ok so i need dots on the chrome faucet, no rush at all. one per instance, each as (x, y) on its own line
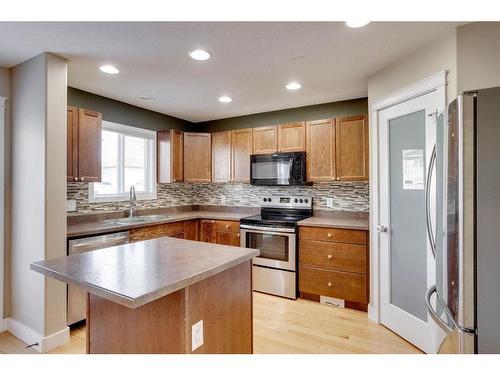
(132, 202)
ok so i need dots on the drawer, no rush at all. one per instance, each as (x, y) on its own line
(333, 256)
(333, 235)
(156, 231)
(343, 285)
(227, 226)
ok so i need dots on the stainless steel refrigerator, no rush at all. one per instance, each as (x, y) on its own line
(467, 290)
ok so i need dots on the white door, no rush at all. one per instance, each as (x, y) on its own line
(407, 134)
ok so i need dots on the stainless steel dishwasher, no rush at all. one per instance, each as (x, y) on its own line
(77, 297)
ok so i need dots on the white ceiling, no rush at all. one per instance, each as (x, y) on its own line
(251, 62)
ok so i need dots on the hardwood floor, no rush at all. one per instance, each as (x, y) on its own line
(283, 326)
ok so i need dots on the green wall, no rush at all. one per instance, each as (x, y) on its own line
(123, 113)
(308, 113)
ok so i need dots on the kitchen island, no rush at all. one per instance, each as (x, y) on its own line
(165, 295)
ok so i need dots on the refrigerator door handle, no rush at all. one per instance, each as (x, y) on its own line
(430, 232)
(434, 315)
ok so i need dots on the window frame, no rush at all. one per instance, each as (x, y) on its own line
(151, 161)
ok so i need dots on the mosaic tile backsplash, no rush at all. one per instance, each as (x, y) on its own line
(347, 196)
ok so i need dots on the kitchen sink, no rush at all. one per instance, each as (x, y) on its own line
(139, 219)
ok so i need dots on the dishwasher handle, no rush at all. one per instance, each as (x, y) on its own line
(97, 242)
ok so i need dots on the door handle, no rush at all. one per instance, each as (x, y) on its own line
(434, 315)
(430, 232)
(382, 228)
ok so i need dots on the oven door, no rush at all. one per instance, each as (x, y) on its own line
(277, 246)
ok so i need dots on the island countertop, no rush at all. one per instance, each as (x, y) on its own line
(138, 273)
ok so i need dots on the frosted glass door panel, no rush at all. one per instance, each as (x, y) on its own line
(408, 246)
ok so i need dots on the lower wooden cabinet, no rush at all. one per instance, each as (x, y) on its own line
(334, 263)
(191, 230)
(222, 232)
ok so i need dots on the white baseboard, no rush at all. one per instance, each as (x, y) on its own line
(3, 325)
(29, 336)
(372, 314)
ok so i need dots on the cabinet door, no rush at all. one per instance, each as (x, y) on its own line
(198, 157)
(292, 137)
(230, 239)
(170, 156)
(191, 230)
(265, 140)
(221, 156)
(352, 148)
(72, 143)
(320, 147)
(89, 145)
(241, 150)
(208, 232)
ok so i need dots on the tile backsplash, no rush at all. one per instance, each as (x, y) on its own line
(347, 196)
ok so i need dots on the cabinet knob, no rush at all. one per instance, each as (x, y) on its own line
(76, 178)
(82, 179)
(228, 226)
(238, 235)
(174, 180)
(338, 178)
(329, 235)
(330, 256)
(329, 284)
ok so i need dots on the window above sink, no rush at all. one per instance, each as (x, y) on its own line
(128, 158)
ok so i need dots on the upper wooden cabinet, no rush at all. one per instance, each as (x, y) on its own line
(170, 156)
(265, 140)
(241, 140)
(83, 145)
(292, 137)
(352, 148)
(320, 147)
(221, 156)
(198, 157)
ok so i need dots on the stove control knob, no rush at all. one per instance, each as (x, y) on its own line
(306, 201)
(296, 200)
(301, 201)
(265, 199)
(269, 200)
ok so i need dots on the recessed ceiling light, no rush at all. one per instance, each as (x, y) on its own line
(110, 69)
(293, 86)
(225, 99)
(199, 54)
(357, 23)
(145, 97)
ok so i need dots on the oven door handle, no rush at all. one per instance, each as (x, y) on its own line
(267, 229)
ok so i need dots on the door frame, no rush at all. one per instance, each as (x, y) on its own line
(2, 208)
(436, 82)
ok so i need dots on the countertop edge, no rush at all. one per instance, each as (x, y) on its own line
(151, 296)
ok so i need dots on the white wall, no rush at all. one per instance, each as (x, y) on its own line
(478, 55)
(38, 88)
(424, 62)
(4, 124)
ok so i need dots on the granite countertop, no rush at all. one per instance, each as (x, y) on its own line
(137, 273)
(107, 226)
(337, 219)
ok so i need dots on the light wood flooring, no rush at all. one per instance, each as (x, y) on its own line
(283, 326)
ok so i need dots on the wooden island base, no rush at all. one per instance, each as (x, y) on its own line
(223, 301)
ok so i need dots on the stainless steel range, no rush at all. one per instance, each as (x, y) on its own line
(274, 233)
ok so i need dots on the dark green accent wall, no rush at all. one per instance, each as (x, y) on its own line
(308, 113)
(123, 113)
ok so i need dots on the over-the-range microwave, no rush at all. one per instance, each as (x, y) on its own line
(278, 169)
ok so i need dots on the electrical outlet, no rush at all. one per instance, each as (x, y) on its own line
(196, 335)
(329, 202)
(70, 205)
(223, 199)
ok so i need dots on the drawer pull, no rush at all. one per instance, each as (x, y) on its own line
(330, 284)
(329, 235)
(330, 256)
